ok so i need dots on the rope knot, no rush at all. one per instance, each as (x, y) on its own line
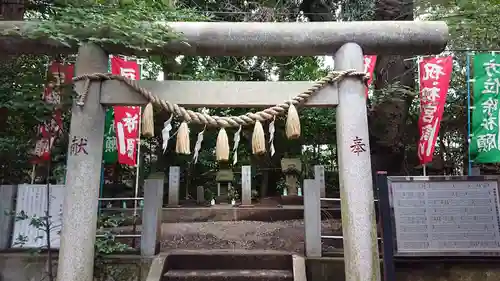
(365, 77)
(80, 100)
(87, 78)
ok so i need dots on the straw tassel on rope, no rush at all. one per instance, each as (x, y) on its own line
(147, 125)
(258, 139)
(292, 123)
(222, 146)
(182, 145)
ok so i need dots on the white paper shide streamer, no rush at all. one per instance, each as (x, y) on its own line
(271, 136)
(165, 133)
(236, 143)
(197, 146)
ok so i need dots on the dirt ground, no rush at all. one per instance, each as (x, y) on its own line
(280, 235)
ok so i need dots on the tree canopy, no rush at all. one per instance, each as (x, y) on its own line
(393, 107)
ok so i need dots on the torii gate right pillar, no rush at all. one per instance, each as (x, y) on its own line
(355, 176)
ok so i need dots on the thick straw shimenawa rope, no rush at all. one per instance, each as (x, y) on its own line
(218, 121)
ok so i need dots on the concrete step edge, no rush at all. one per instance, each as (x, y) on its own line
(230, 273)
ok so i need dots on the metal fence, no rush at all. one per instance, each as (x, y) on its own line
(30, 201)
(312, 219)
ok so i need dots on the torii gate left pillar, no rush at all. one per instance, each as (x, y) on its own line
(83, 173)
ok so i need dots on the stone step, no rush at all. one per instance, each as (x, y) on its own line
(229, 259)
(228, 275)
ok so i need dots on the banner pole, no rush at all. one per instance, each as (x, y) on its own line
(33, 173)
(136, 191)
(101, 188)
(101, 184)
(419, 59)
(469, 160)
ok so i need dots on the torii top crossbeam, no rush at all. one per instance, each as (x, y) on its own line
(263, 38)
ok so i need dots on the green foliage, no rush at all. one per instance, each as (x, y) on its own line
(139, 25)
(232, 193)
(21, 110)
(358, 10)
(105, 244)
(41, 224)
(472, 23)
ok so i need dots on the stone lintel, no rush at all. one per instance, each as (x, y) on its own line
(255, 38)
(217, 93)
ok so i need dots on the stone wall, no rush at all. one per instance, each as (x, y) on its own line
(332, 269)
(29, 267)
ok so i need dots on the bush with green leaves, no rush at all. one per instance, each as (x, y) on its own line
(106, 243)
(137, 25)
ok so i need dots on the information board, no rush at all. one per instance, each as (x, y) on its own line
(445, 217)
(32, 200)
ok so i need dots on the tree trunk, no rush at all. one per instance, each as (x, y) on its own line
(264, 185)
(388, 119)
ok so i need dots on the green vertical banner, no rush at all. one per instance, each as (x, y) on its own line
(110, 154)
(485, 139)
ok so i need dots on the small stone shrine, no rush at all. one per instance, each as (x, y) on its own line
(291, 167)
(224, 180)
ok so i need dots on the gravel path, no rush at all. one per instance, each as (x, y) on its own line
(281, 235)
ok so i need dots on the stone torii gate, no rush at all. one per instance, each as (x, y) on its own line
(346, 41)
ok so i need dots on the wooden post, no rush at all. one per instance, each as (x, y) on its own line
(7, 197)
(173, 186)
(312, 219)
(356, 186)
(151, 215)
(200, 195)
(319, 175)
(83, 173)
(246, 185)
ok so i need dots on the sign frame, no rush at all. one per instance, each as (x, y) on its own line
(433, 179)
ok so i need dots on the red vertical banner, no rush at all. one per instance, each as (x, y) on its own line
(369, 62)
(435, 75)
(58, 75)
(127, 68)
(127, 118)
